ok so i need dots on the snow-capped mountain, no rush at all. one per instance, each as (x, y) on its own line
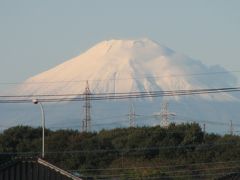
(127, 66)
(122, 66)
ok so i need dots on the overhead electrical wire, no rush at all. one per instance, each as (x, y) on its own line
(111, 96)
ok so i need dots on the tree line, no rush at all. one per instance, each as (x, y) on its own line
(180, 151)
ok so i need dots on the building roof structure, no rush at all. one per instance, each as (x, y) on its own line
(33, 169)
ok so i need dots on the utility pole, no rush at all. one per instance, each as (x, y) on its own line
(86, 123)
(36, 101)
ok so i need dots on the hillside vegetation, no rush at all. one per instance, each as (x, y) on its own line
(177, 152)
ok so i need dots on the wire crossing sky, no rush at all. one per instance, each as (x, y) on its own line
(38, 35)
(110, 96)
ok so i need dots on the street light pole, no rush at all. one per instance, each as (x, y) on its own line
(35, 101)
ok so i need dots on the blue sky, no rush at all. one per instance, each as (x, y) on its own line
(37, 35)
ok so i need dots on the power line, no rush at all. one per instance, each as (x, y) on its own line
(112, 96)
(133, 93)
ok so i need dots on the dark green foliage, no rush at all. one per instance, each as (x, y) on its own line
(123, 151)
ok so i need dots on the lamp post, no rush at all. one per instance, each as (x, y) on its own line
(35, 101)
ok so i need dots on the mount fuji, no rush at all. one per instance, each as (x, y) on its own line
(121, 66)
(118, 66)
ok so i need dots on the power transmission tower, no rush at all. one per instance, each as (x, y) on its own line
(132, 116)
(165, 115)
(231, 129)
(86, 123)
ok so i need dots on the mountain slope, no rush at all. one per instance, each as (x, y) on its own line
(125, 66)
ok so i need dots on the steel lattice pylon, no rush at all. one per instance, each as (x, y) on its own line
(86, 123)
(165, 115)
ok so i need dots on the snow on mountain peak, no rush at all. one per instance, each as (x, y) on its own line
(125, 66)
